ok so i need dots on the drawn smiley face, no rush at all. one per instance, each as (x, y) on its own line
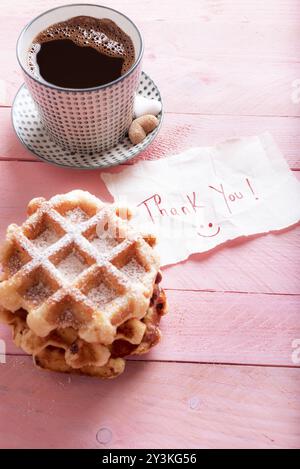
(208, 231)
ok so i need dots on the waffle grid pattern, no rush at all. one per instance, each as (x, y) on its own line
(70, 284)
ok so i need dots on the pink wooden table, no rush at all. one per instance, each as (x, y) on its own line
(224, 374)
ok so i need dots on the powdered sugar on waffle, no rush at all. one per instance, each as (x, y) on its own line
(71, 267)
(125, 288)
(104, 245)
(101, 295)
(14, 264)
(67, 318)
(133, 270)
(76, 215)
(38, 293)
(45, 239)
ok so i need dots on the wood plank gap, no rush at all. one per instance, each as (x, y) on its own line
(200, 114)
(260, 365)
(188, 362)
(195, 290)
(20, 160)
(37, 160)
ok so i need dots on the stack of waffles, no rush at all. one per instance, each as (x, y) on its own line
(79, 286)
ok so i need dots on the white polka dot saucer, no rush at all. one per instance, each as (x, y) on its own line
(34, 137)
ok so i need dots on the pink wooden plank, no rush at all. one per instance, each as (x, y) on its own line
(255, 266)
(157, 405)
(222, 11)
(216, 20)
(227, 86)
(182, 131)
(266, 264)
(212, 86)
(249, 72)
(214, 31)
(222, 328)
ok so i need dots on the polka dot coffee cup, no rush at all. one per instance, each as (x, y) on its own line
(83, 120)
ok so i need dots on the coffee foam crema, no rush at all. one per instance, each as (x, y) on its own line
(103, 34)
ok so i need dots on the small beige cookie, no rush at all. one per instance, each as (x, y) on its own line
(141, 127)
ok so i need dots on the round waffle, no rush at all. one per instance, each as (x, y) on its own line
(79, 286)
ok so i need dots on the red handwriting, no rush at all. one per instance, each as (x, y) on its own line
(221, 191)
(251, 189)
(209, 235)
(154, 206)
(233, 196)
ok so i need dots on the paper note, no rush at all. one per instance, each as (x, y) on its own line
(206, 196)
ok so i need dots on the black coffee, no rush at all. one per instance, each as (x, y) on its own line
(81, 52)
